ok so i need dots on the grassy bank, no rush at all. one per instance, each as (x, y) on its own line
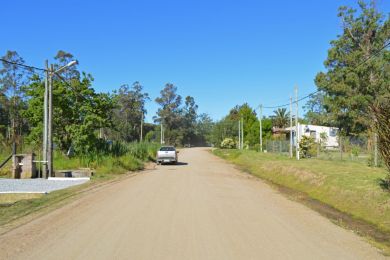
(348, 187)
(126, 157)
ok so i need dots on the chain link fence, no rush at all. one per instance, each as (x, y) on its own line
(350, 148)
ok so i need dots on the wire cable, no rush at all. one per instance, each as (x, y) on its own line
(315, 92)
(22, 65)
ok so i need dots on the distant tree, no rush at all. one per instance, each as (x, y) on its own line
(13, 79)
(281, 118)
(4, 117)
(204, 128)
(356, 77)
(228, 126)
(63, 58)
(225, 128)
(130, 108)
(170, 114)
(189, 120)
(316, 110)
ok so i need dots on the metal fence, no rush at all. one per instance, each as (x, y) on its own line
(350, 148)
(277, 146)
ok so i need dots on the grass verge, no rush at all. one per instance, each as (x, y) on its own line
(348, 193)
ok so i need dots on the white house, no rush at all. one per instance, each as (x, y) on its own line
(315, 132)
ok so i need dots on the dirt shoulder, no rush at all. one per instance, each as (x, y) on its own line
(348, 197)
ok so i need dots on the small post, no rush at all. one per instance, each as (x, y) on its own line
(161, 133)
(239, 135)
(341, 147)
(296, 124)
(242, 133)
(261, 128)
(375, 149)
(291, 131)
(142, 125)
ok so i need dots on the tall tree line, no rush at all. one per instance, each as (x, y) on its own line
(84, 120)
(181, 123)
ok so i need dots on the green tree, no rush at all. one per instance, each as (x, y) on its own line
(129, 111)
(189, 120)
(281, 118)
(79, 112)
(204, 128)
(170, 114)
(228, 126)
(356, 77)
(4, 117)
(13, 79)
(316, 110)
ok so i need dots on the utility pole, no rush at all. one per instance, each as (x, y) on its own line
(291, 122)
(296, 124)
(261, 128)
(45, 122)
(49, 148)
(239, 134)
(50, 123)
(242, 133)
(142, 125)
(161, 133)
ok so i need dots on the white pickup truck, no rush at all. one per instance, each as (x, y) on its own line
(167, 154)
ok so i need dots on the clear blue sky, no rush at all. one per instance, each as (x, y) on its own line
(221, 52)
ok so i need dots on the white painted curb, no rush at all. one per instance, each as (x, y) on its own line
(69, 178)
(24, 192)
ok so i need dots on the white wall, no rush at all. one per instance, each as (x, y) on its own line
(315, 131)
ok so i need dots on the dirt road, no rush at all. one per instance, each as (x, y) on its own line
(200, 209)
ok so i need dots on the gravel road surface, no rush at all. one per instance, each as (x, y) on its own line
(202, 208)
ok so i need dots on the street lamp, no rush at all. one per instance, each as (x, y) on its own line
(48, 116)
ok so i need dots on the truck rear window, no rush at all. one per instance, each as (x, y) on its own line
(166, 149)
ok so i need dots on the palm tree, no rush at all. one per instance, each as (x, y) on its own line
(281, 118)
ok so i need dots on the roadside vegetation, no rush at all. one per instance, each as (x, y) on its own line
(352, 96)
(104, 131)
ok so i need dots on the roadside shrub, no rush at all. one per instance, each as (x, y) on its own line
(228, 143)
(307, 147)
(382, 125)
(143, 151)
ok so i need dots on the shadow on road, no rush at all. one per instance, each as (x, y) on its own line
(181, 163)
(176, 164)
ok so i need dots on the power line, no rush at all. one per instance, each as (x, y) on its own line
(315, 92)
(22, 65)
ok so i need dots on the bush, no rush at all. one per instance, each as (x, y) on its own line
(228, 143)
(307, 147)
(143, 151)
(382, 125)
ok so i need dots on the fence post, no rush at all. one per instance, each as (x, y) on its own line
(375, 149)
(318, 148)
(341, 147)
